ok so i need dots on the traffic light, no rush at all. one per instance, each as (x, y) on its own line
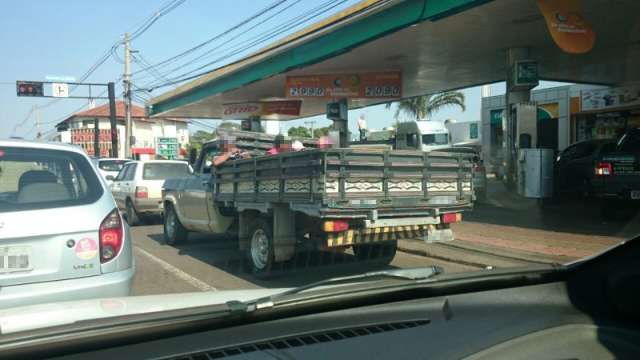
(29, 88)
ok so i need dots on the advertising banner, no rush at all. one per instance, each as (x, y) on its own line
(375, 85)
(610, 98)
(265, 109)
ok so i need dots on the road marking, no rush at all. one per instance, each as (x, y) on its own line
(199, 284)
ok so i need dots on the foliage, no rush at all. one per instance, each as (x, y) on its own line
(322, 131)
(229, 125)
(422, 107)
(198, 138)
(299, 132)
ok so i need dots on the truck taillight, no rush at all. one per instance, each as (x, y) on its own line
(111, 236)
(604, 169)
(335, 226)
(142, 192)
(451, 218)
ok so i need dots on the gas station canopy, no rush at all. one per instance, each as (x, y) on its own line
(435, 45)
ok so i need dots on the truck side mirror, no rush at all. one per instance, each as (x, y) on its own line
(193, 154)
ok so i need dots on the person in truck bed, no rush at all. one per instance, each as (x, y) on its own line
(229, 152)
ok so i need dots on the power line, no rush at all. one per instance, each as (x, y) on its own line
(205, 54)
(156, 16)
(218, 36)
(186, 76)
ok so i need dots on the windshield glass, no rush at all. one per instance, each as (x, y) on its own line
(111, 165)
(264, 145)
(158, 171)
(435, 139)
(42, 178)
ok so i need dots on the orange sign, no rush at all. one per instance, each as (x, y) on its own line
(377, 85)
(568, 28)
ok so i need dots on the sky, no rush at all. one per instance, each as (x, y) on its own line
(65, 38)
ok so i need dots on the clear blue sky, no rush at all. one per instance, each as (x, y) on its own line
(65, 38)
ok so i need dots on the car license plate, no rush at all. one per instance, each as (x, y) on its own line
(15, 258)
(635, 194)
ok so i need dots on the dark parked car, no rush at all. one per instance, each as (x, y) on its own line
(618, 171)
(574, 169)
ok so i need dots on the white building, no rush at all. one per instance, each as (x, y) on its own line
(148, 133)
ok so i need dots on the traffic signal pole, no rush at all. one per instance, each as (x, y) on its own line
(112, 119)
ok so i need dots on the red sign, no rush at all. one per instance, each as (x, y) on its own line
(261, 109)
(375, 85)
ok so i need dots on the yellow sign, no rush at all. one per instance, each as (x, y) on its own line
(567, 26)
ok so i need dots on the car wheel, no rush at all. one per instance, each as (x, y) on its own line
(132, 215)
(381, 253)
(261, 253)
(174, 231)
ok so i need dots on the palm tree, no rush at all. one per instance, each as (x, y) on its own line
(422, 107)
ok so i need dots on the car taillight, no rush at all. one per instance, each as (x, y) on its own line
(111, 236)
(142, 192)
(451, 218)
(335, 226)
(604, 169)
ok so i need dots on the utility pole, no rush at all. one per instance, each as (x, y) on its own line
(37, 110)
(310, 124)
(112, 119)
(127, 96)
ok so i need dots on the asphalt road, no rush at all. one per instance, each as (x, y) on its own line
(203, 263)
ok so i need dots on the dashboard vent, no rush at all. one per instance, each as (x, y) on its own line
(302, 340)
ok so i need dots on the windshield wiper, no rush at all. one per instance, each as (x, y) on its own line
(412, 274)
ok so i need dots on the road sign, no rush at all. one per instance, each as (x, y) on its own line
(29, 88)
(60, 90)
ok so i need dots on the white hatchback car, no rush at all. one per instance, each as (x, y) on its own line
(109, 167)
(61, 234)
(138, 187)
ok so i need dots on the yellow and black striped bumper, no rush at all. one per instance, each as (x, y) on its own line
(371, 235)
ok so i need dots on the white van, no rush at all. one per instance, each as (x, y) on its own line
(425, 135)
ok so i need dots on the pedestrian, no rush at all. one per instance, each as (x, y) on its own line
(229, 152)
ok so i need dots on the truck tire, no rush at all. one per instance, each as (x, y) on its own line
(132, 216)
(260, 252)
(381, 253)
(174, 231)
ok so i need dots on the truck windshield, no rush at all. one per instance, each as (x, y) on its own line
(159, 171)
(435, 139)
(111, 165)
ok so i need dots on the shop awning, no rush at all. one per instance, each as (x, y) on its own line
(436, 45)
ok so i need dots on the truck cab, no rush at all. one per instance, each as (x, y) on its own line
(422, 135)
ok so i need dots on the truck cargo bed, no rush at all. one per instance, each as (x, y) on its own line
(349, 182)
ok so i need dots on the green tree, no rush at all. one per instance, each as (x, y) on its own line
(322, 131)
(229, 125)
(299, 132)
(198, 138)
(422, 107)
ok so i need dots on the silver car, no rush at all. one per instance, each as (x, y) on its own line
(138, 187)
(61, 234)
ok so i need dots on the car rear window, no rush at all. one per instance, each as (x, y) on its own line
(160, 171)
(42, 178)
(630, 142)
(111, 165)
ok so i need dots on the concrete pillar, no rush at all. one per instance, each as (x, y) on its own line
(511, 98)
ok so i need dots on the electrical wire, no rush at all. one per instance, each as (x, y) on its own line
(186, 76)
(218, 36)
(172, 5)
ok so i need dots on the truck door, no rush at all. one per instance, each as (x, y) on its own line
(194, 199)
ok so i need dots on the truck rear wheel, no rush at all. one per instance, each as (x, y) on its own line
(382, 253)
(174, 231)
(260, 252)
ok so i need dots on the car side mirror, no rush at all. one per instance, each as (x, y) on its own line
(110, 177)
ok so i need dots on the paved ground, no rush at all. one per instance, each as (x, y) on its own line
(502, 232)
